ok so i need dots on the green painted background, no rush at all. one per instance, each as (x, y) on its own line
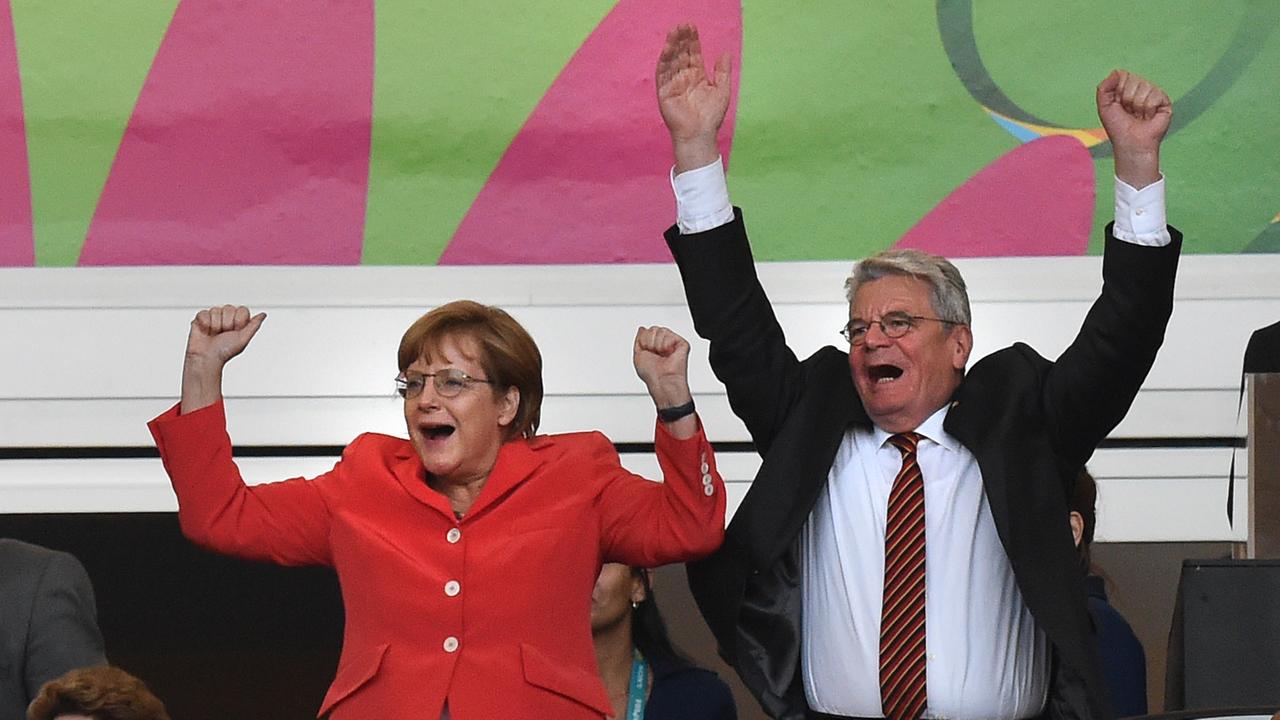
(847, 111)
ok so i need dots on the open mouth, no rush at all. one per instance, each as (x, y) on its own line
(884, 373)
(437, 432)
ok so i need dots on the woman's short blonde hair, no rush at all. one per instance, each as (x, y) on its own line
(508, 355)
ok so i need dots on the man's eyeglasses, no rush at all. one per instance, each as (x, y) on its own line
(449, 382)
(893, 325)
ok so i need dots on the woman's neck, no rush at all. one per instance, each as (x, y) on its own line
(461, 494)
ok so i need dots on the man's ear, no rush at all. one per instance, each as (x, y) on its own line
(962, 339)
(1077, 527)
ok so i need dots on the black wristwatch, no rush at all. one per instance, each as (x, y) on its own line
(672, 414)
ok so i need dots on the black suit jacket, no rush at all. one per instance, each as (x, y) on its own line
(48, 622)
(1030, 423)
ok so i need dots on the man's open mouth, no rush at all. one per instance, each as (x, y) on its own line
(884, 373)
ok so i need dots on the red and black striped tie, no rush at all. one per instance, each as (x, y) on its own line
(902, 651)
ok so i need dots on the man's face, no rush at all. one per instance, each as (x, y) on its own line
(902, 381)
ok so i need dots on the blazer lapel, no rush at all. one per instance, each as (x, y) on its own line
(964, 422)
(413, 478)
(517, 461)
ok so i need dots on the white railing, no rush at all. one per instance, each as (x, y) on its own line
(91, 354)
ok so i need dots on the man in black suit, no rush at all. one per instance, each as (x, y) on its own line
(812, 598)
(48, 622)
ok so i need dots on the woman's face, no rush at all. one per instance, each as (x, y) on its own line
(616, 588)
(458, 437)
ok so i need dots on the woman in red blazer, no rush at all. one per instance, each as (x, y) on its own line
(467, 553)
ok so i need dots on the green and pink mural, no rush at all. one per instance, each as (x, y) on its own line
(345, 132)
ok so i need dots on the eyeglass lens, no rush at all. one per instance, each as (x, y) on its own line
(448, 383)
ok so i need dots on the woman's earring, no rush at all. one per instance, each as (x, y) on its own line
(634, 604)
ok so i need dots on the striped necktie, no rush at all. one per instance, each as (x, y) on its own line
(902, 651)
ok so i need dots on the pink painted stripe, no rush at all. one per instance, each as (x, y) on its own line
(17, 241)
(1034, 200)
(585, 180)
(250, 140)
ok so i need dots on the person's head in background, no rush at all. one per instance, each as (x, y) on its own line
(96, 693)
(1084, 515)
(633, 651)
(623, 603)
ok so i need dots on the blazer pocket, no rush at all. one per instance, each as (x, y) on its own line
(355, 668)
(550, 673)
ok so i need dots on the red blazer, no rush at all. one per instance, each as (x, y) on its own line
(489, 613)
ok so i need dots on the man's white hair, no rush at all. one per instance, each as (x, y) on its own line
(948, 294)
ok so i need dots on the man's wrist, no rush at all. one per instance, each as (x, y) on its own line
(1139, 167)
(693, 153)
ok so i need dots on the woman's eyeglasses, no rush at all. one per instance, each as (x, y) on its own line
(449, 382)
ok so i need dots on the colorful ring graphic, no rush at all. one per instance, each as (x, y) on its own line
(955, 26)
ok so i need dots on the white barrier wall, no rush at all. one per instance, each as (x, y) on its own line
(91, 354)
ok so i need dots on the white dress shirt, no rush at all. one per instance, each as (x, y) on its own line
(985, 656)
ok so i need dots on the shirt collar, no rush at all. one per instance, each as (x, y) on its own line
(931, 429)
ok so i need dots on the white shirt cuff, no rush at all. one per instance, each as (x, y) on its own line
(1140, 217)
(702, 198)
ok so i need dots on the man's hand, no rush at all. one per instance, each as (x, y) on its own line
(693, 105)
(217, 335)
(1136, 114)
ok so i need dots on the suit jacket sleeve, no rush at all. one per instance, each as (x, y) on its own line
(285, 522)
(63, 632)
(749, 352)
(1088, 391)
